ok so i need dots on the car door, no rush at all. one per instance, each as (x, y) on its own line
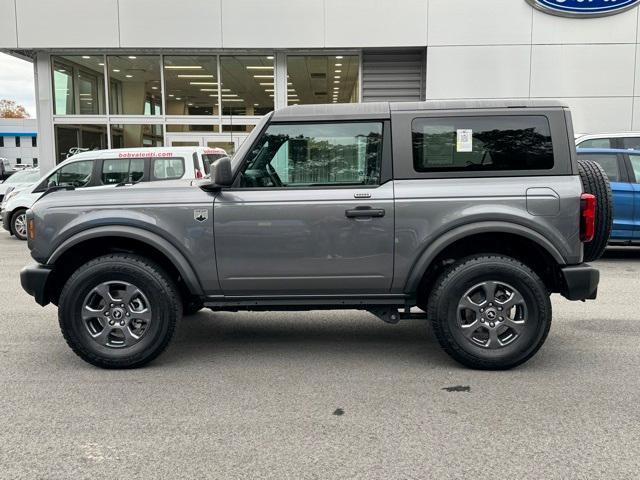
(310, 212)
(623, 192)
(633, 165)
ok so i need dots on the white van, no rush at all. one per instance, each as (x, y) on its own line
(101, 168)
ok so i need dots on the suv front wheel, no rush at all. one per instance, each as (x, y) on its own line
(490, 312)
(119, 311)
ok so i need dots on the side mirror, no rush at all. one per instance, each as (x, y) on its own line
(221, 174)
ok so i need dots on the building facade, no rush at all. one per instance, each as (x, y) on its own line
(113, 73)
(19, 140)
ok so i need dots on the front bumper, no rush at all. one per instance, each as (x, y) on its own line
(580, 282)
(5, 220)
(34, 281)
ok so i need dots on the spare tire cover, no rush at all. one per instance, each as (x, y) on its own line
(596, 182)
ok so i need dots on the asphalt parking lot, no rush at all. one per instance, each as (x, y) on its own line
(323, 395)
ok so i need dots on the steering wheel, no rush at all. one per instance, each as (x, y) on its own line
(273, 175)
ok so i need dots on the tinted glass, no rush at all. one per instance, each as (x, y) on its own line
(494, 143)
(168, 168)
(632, 143)
(134, 85)
(300, 155)
(247, 84)
(609, 164)
(635, 165)
(596, 143)
(136, 135)
(72, 139)
(78, 84)
(322, 79)
(77, 174)
(116, 171)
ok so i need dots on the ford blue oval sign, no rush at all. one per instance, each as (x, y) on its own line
(583, 8)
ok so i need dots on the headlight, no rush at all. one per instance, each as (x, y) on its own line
(10, 195)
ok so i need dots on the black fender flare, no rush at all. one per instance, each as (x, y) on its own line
(443, 241)
(178, 260)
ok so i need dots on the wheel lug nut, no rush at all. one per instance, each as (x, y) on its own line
(482, 310)
(122, 305)
(111, 305)
(122, 323)
(107, 313)
(111, 322)
(482, 320)
(492, 324)
(128, 314)
(501, 319)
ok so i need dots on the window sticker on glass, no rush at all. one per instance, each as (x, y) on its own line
(465, 140)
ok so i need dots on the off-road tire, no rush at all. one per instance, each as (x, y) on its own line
(452, 285)
(595, 181)
(164, 302)
(14, 219)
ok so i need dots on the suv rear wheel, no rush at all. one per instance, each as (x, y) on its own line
(119, 311)
(490, 312)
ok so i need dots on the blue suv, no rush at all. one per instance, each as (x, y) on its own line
(623, 169)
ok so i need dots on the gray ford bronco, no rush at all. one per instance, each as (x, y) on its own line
(473, 212)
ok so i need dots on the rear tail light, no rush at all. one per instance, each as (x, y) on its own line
(587, 217)
(199, 173)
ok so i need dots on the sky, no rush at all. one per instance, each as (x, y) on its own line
(16, 82)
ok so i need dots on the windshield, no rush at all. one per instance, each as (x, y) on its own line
(24, 177)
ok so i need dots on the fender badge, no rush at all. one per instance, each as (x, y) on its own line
(201, 215)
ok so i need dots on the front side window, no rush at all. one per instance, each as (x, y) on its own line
(609, 164)
(476, 144)
(120, 170)
(311, 155)
(168, 168)
(76, 174)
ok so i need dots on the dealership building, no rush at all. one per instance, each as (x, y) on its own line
(124, 73)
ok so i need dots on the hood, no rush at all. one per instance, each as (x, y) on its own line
(170, 192)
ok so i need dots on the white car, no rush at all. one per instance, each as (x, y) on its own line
(19, 181)
(103, 168)
(620, 140)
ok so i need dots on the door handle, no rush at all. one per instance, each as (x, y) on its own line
(365, 212)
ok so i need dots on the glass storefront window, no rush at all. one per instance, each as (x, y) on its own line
(136, 135)
(72, 139)
(315, 79)
(78, 85)
(247, 86)
(134, 85)
(191, 85)
(191, 128)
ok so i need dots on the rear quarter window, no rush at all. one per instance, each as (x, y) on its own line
(487, 143)
(167, 168)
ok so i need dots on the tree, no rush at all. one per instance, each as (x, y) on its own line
(10, 109)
